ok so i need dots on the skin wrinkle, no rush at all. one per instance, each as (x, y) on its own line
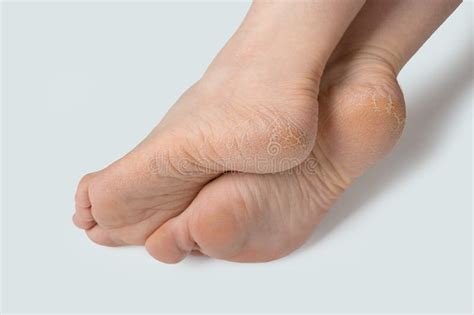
(145, 224)
(370, 52)
(328, 175)
(322, 196)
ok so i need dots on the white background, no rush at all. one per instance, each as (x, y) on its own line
(83, 83)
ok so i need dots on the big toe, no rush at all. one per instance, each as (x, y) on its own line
(213, 224)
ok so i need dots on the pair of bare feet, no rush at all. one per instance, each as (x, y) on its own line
(248, 160)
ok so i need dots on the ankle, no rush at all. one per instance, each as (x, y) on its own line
(244, 63)
(369, 57)
(361, 66)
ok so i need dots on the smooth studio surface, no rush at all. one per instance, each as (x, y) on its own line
(84, 83)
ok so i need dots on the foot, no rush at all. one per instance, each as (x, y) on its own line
(245, 115)
(252, 218)
(213, 128)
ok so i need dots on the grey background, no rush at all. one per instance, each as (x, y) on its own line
(84, 82)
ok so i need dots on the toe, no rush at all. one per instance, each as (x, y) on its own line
(172, 242)
(208, 226)
(83, 216)
(83, 221)
(82, 192)
(217, 224)
(102, 237)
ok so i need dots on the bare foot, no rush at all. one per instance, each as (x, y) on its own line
(244, 115)
(234, 119)
(205, 134)
(249, 217)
